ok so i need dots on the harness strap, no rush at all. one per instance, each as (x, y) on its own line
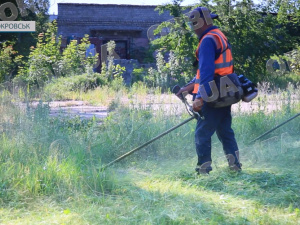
(197, 81)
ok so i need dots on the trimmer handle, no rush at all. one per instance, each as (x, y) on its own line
(199, 114)
(175, 90)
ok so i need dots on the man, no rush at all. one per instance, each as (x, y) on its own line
(214, 59)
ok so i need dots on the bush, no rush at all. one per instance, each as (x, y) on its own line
(42, 59)
(8, 62)
(57, 88)
(167, 74)
(285, 70)
(294, 58)
(74, 60)
(46, 60)
(138, 75)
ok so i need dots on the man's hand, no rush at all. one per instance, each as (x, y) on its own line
(197, 104)
(181, 94)
(185, 91)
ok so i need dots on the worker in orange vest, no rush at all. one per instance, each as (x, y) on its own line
(215, 61)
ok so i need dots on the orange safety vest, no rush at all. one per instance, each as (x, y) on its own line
(224, 63)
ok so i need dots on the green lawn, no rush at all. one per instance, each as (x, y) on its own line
(168, 192)
(49, 170)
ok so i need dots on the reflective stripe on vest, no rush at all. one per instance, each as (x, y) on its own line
(224, 63)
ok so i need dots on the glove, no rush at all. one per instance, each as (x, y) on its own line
(197, 104)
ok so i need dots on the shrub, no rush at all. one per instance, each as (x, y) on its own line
(46, 60)
(286, 73)
(57, 88)
(138, 75)
(166, 74)
(74, 60)
(294, 58)
(8, 62)
(42, 59)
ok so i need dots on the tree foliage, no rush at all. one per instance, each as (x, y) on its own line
(47, 61)
(255, 35)
(256, 32)
(176, 36)
(34, 10)
(8, 61)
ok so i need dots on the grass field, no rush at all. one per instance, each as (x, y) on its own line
(50, 168)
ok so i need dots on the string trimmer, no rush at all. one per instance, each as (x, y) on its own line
(194, 115)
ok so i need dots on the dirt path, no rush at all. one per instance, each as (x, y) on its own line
(74, 108)
(77, 108)
(168, 104)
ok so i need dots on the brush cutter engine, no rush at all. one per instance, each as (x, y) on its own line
(249, 89)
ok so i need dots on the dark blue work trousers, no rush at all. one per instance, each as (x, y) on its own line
(219, 120)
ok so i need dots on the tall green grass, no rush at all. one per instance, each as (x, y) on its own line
(41, 155)
(53, 164)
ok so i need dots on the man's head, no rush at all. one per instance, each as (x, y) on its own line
(200, 19)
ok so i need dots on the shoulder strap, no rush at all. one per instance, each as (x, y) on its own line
(221, 37)
(220, 40)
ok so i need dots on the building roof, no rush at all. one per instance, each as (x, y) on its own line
(131, 15)
(96, 4)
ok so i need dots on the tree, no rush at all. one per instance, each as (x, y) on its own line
(177, 37)
(8, 62)
(256, 32)
(43, 61)
(35, 10)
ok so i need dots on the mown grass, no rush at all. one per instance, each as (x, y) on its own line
(49, 169)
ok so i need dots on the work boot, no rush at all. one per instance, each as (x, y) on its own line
(237, 167)
(203, 170)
